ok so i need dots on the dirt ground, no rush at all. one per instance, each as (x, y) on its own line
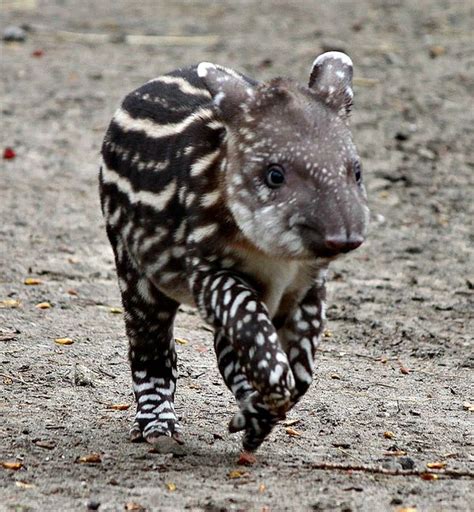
(397, 358)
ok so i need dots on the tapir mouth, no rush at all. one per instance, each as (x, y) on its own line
(329, 246)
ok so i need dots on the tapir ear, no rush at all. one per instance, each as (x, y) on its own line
(230, 91)
(331, 79)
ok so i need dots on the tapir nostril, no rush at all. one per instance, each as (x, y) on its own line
(343, 244)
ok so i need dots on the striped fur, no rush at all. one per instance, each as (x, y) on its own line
(193, 219)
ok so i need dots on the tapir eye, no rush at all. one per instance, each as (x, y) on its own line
(358, 172)
(275, 176)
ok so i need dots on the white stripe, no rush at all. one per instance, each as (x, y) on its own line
(145, 416)
(167, 416)
(157, 200)
(211, 198)
(238, 301)
(148, 398)
(182, 84)
(138, 388)
(200, 165)
(154, 130)
(162, 406)
(203, 232)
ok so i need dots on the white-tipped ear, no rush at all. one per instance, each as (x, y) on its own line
(229, 90)
(331, 79)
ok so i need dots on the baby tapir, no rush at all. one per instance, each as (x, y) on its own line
(231, 195)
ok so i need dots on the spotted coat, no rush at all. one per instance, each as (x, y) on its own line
(231, 196)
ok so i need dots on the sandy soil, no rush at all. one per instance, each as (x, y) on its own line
(398, 356)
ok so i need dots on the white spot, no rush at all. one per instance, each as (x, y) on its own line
(302, 373)
(275, 375)
(344, 58)
(203, 68)
(294, 353)
(251, 306)
(310, 309)
(218, 98)
(302, 325)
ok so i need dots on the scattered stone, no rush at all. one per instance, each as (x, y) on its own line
(82, 376)
(93, 505)
(15, 34)
(436, 51)
(406, 462)
(402, 136)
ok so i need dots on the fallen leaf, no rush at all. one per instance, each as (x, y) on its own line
(9, 154)
(335, 376)
(171, 486)
(23, 485)
(327, 333)
(48, 445)
(92, 458)
(135, 507)
(436, 465)
(14, 466)
(119, 407)
(181, 341)
(429, 476)
(63, 341)
(404, 370)
(407, 509)
(289, 423)
(437, 51)
(115, 311)
(194, 386)
(383, 359)
(468, 406)
(236, 473)
(9, 304)
(246, 459)
(72, 292)
(388, 434)
(395, 453)
(292, 432)
(262, 488)
(37, 53)
(43, 305)
(32, 281)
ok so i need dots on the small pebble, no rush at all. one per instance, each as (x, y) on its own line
(13, 33)
(406, 462)
(93, 505)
